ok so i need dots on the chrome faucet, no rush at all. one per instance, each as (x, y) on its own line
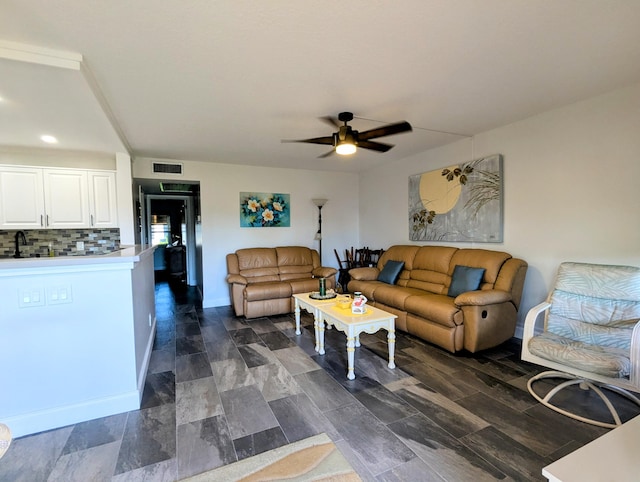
(20, 236)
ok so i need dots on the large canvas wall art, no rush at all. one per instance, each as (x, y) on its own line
(458, 203)
(264, 210)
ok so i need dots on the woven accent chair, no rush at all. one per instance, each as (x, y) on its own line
(590, 335)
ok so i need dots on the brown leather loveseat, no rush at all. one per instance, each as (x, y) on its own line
(263, 281)
(473, 307)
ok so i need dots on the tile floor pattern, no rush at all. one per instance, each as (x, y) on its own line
(221, 388)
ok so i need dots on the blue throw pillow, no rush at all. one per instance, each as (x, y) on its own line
(390, 272)
(464, 279)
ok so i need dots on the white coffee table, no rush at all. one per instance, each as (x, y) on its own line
(312, 306)
(352, 325)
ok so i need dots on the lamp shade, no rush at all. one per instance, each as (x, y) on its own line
(319, 202)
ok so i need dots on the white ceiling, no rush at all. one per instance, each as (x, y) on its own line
(226, 80)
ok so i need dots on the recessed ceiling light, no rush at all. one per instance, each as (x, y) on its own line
(49, 139)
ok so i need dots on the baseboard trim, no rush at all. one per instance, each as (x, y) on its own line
(142, 375)
(215, 302)
(41, 420)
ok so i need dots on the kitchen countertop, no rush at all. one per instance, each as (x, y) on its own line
(127, 254)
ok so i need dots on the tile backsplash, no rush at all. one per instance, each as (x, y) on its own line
(63, 242)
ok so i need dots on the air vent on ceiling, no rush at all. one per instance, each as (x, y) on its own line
(166, 168)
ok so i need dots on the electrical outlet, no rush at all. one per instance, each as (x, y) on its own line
(31, 297)
(57, 295)
(80, 245)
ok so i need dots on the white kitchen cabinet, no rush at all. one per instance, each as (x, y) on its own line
(66, 198)
(21, 198)
(103, 207)
(36, 198)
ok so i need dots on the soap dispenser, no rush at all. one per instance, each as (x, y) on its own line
(51, 254)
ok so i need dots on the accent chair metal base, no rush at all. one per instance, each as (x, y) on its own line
(585, 385)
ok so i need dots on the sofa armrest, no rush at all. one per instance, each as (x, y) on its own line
(364, 274)
(490, 318)
(237, 279)
(482, 298)
(324, 272)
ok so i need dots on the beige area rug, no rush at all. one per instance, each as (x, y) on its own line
(312, 459)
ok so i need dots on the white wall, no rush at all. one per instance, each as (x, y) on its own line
(124, 188)
(571, 188)
(220, 187)
(55, 349)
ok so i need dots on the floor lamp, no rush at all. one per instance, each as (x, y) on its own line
(319, 203)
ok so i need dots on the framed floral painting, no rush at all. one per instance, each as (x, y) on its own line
(458, 203)
(264, 210)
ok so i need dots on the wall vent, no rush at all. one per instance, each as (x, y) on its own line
(165, 168)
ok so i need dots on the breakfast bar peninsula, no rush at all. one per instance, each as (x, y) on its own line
(76, 334)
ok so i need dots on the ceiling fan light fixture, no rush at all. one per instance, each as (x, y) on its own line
(345, 148)
(347, 140)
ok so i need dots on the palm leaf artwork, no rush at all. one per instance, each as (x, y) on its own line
(488, 188)
(474, 210)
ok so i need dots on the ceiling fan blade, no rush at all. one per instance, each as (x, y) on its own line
(387, 130)
(327, 140)
(374, 146)
(331, 120)
(327, 154)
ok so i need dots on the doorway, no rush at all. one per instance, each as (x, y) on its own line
(169, 222)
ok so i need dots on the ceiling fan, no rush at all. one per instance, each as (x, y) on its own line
(346, 140)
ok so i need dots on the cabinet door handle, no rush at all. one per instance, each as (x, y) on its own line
(47, 223)
(41, 220)
(91, 216)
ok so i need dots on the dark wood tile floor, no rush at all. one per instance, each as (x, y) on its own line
(221, 388)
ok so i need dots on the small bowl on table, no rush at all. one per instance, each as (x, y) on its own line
(343, 302)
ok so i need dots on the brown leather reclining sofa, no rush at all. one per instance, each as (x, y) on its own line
(480, 313)
(263, 281)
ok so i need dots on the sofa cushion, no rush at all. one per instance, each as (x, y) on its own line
(393, 295)
(256, 258)
(304, 285)
(491, 261)
(294, 256)
(606, 361)
(258, 265)
(465, 278)
(367, 288)
(288, 273)
(431, 269)
(390, 272)
(399, 252)
(438, 309)
(267, 291)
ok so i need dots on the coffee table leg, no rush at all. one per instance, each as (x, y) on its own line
(297, 311)
(320, 336)
(391, 338)
(350, 356)
(316, 330)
